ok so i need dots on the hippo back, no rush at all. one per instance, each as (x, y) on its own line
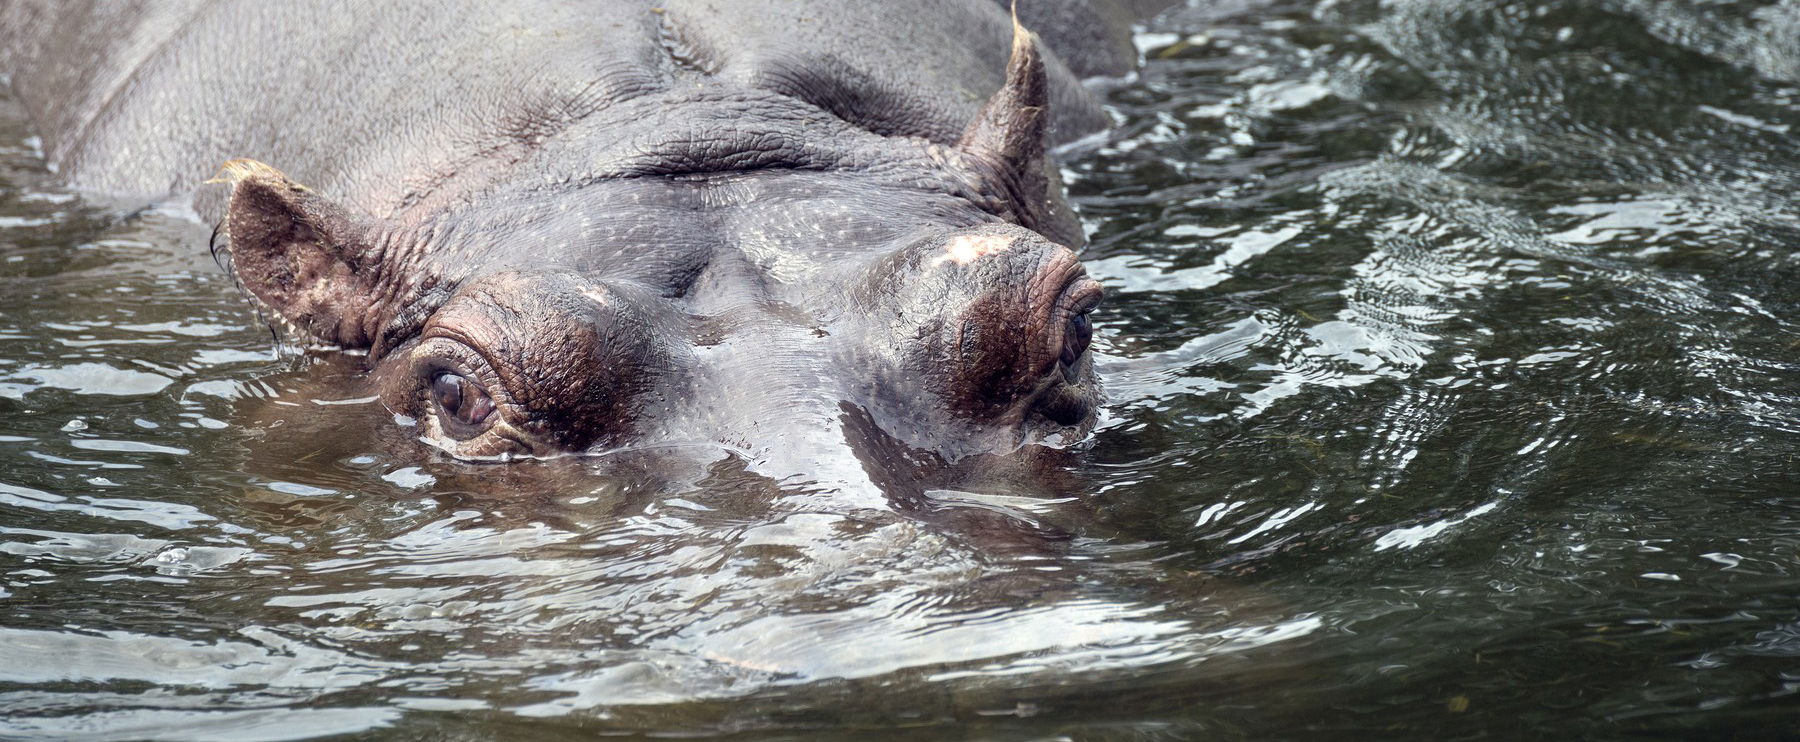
(376, 102)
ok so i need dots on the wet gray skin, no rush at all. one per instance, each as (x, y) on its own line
(551, 230)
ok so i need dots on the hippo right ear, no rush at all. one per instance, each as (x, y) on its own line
(301, 255)
(1006, 143)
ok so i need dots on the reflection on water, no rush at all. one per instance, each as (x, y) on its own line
(1455, 389)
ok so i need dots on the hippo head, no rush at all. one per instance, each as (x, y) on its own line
(743, 268)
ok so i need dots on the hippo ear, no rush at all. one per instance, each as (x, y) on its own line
(301, 255)
(1005, 143)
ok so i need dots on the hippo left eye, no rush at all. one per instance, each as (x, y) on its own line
(462, 405)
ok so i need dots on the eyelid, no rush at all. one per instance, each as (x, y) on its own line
(441, 336)
(1084, 295)
(451, 352)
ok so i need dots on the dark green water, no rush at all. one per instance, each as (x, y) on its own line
(1454, 367)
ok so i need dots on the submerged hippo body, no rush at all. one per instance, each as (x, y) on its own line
(578, 226)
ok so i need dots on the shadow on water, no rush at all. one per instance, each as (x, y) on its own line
(1455, 392)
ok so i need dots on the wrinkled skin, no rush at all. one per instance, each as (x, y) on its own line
(552, 228)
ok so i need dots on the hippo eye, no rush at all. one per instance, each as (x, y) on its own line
(1076, 339)
(462, 405)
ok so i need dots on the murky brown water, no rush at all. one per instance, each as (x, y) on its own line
(1455, 373)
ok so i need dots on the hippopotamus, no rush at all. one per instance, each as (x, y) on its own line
(549, 227)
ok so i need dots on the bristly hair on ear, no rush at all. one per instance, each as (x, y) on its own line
(264, 317)
(1006, 142)
(314, 266)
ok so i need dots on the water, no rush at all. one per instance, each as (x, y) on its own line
(1455, 392)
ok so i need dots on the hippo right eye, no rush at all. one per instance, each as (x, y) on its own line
(1083, 297)
(462, 405)
(1076, 338)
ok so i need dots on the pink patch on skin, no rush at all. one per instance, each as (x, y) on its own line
(966, 249)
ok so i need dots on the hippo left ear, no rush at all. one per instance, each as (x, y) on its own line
(1006, 142)
(302, 255)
